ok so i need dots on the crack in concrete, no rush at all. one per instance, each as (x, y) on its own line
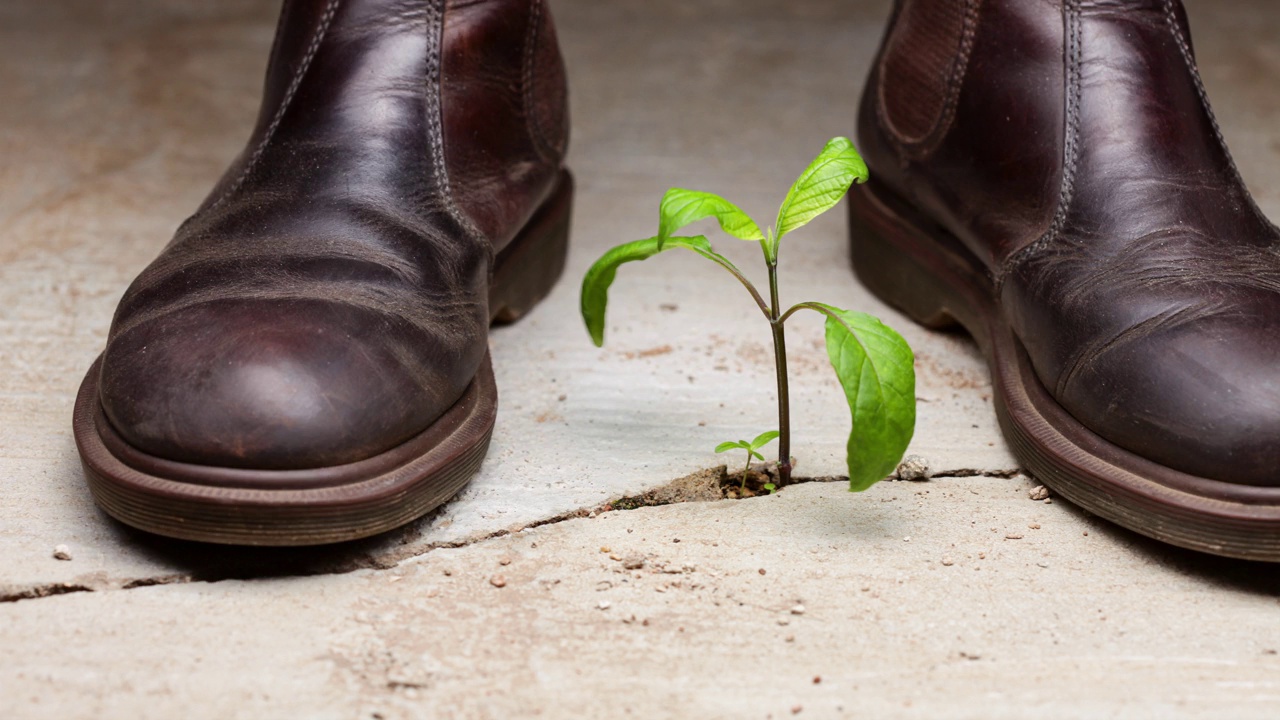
(43, 591)
(702, 486)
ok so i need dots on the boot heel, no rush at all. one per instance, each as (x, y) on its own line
(526, 270)
(885, 250)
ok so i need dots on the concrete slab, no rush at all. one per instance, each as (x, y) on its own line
(115, 118)
(958, 598)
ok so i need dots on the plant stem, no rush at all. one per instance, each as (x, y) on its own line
(780, 359)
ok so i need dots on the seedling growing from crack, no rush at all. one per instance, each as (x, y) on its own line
(874, 365)
(761, 440)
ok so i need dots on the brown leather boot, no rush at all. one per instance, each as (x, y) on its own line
(307, 360)
(1050, 176)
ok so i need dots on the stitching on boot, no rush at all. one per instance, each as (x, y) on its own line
(1071, 149)
(435, 130)
(330, 9)
(545, 148)
(1184, 47)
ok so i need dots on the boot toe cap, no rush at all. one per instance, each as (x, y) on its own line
(1202, 398)
(270, 385)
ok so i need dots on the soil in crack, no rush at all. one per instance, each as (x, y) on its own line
(711, 484)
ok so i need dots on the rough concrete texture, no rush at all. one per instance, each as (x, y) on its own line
(115, 118)
(957, 598)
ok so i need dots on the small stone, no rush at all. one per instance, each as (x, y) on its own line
(797, 610)
(797, 709)
(498, 581)
(817, 679)
(914, 467)
(675, 540)
(761, 571)
(784, 620)
(633, 561)
(447, 572)
(562, 398)
(605, 549)
(790, 638)
(1034, 526)
(906, 539)
(1048, 501)
(1039, 492)
(1013, 536)
(604, 605)
(948, 562)
(645, 622)
(504, 560)
(61, 552)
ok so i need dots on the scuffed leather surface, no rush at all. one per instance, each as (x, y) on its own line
(328, 301)
(1150, 306)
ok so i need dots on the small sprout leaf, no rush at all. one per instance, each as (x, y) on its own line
(727, 446)
(821, 185)
(763, 439)
(876, 368)
(756, 455)
(681, 207)
(771, 488)
(595, 286)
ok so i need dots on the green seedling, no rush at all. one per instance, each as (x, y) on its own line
(874, 365)
(752, 447)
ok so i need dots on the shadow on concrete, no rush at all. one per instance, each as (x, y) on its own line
(1247, 576)
(208, 562)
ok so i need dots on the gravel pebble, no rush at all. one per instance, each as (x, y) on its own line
(61, 552)
(498, 581)
(914, 467)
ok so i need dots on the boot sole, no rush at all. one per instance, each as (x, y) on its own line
(922, 270)
(330, 504)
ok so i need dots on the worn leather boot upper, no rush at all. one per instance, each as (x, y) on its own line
(329, 299)
(1071, 147)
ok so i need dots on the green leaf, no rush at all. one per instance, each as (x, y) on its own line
(770, 487)
(681, 207)
(763, 439)
(755, 454)
(877, 370)
(821, 185)
(595, 286)
(727, 446)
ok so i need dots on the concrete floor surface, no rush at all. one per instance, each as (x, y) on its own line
(939, 599)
